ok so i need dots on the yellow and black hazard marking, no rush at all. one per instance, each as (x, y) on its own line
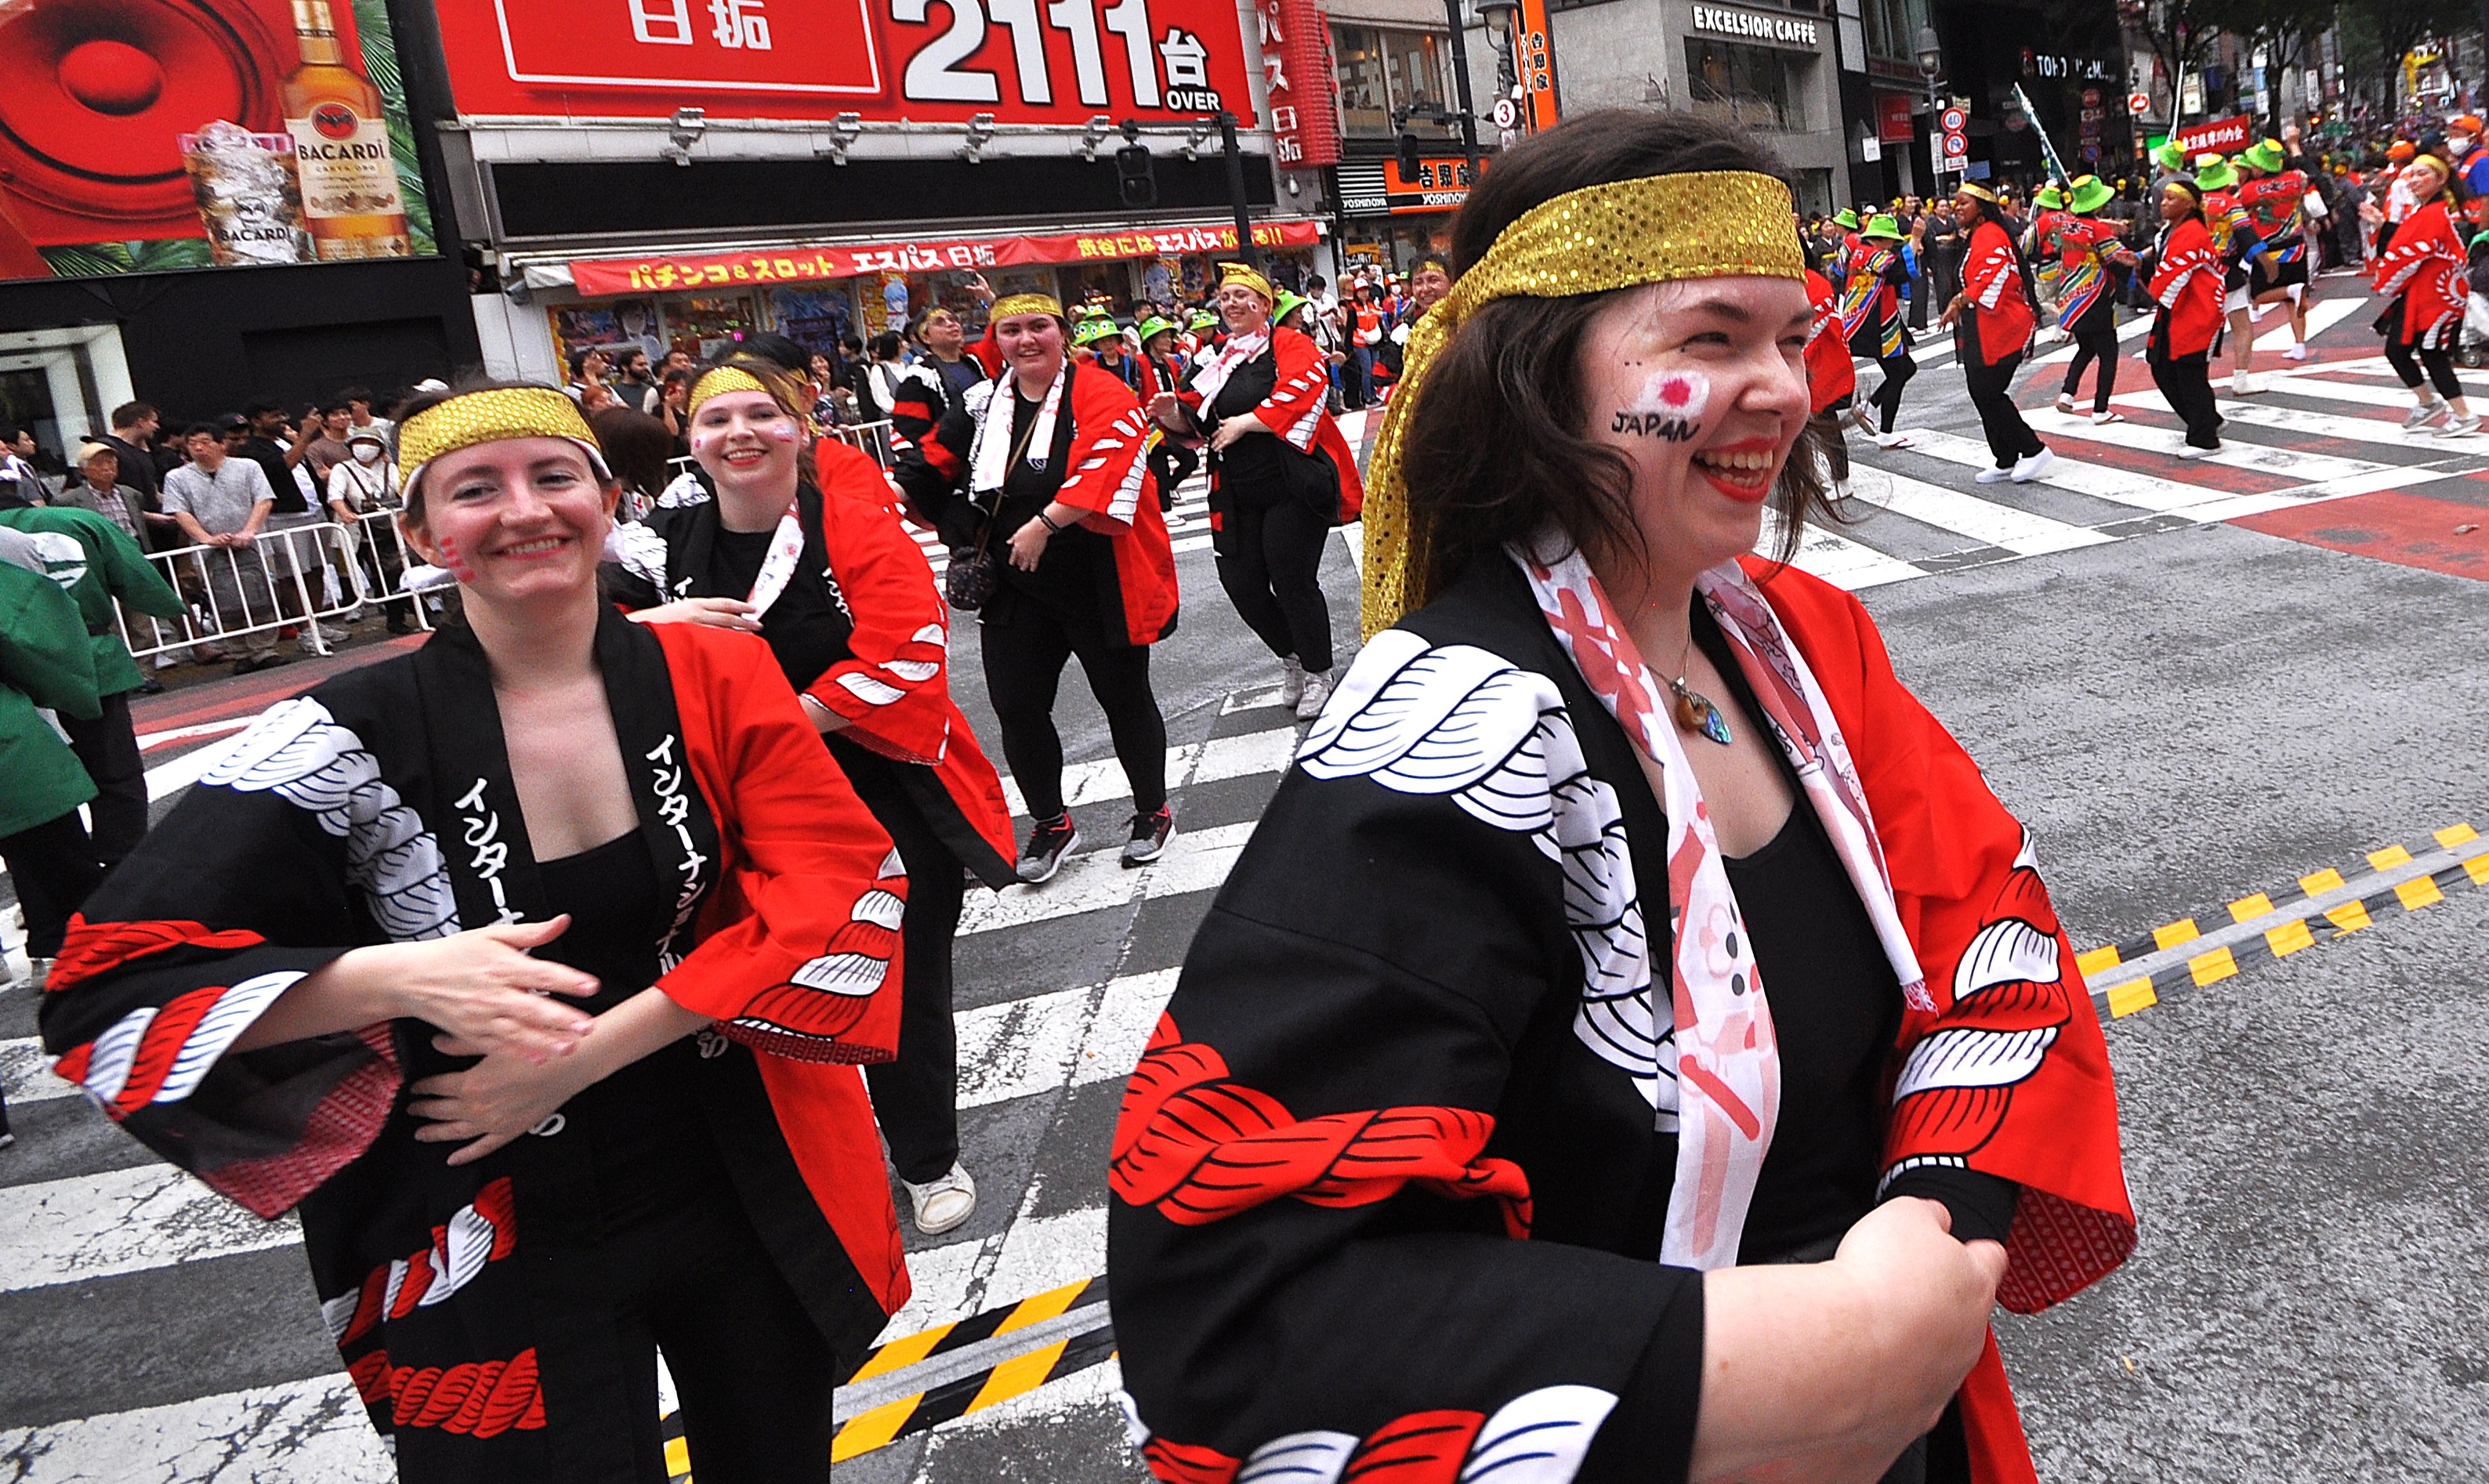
(975, 1393)
(941, 1339)
(2285, 933)
(1007, 1377)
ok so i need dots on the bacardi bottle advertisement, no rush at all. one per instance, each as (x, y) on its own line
(158, 136)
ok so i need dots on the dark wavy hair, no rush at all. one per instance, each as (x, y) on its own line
(1495, 451)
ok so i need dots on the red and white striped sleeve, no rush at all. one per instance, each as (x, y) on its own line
(1293, 408)
(1106, 474)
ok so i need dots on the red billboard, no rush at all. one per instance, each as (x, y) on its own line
(1297, 71)
(152, 135)
(1022, 61)
(1894, 122)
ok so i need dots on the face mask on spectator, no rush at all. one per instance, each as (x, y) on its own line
(365, 453)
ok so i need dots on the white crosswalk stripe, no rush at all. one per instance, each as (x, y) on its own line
(1986, 521)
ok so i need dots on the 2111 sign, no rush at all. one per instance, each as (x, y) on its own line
(939, 71)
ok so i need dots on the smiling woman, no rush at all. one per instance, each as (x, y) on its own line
(541, 941)
(1621, 899)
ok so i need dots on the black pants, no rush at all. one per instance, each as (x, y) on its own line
(2096, 339)
(1172, 464)
(2009, 437)
(108, 746)
(2408, 360)
(1270, 555)
(915, 1099)
(1825, 427)
(1025, 661)
(753, 1373)
(52, 867)
(1887, 400)
(2189, 391)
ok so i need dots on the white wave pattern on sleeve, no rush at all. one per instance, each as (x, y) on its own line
(1465, 723)
(1966, 1057)
(299, 752)
(1540, 1436)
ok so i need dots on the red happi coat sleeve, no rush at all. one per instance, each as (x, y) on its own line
(895, 692)
(915, 406)
(1991, 278)
(2009, 1075)
(2424, 265)
(799, 955)
(1106, 477)
(1830, 373)
(2187, 287)
(1295, 409)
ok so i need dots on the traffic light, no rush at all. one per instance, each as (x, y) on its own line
(1413, 166)
(1136, 181)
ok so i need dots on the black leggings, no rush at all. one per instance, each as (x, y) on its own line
(1992, 391)
(753, 1373)
(1024, 659)
(2408, 360)
(1887, 400)
(915, 1099)
(1269, 560)
(2096, 339)
(1172, 462)
(108, 746)
(2185, 384)
(54, 868)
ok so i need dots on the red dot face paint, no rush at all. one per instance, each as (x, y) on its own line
(457, 562)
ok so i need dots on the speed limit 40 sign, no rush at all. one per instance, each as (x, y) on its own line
(1955, 120)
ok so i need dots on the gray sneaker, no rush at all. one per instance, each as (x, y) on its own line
(2455, 427)
(2424, 415)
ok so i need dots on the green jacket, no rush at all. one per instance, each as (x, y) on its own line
(109, 565)
(44, 660)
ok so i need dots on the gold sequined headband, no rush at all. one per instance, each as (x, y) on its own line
(1653, 229)
(1976, 191)
(1013, 304)
(489, 416)
(1237, 273)
(724, 378)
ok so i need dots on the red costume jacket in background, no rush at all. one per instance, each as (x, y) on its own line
(1996, 322)
(893, 686)
(378, 808)
(1830, 374)
(1298, 408)
(2187, 285)
(1096, 465)
(1388, 1183)
(2424, 266)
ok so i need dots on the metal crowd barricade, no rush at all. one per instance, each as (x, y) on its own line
(287, 584)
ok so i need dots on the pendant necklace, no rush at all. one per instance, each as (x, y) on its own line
(1695, 711)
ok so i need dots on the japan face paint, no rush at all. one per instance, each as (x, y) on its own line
(1669, 408)
(456, 560)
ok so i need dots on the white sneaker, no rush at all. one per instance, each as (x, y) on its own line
(1994, 475)
(943, 1204)
(1291, 680)
(2242, 384)
(2108, 417)
(309, 647)
(334, 634)
(1317, 691)
(2299, 351)
(2190, 451)
(2066, 403)
(1892, 439)
(2031, 466)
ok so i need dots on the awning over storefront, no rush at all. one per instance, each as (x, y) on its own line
(794, 264)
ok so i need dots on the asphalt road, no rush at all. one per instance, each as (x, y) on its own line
(2195, 682)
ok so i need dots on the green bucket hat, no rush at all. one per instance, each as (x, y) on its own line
(1203, 319)
(1884, 226)
(2049, 198)
(2171, 157)
(1288, 304)
(2214, 173)
(1155, 326)
(2266, 156)
(2091, 193)
(1093, 328)
(1846, 218)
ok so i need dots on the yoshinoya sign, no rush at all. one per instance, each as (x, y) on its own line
(1750, 25)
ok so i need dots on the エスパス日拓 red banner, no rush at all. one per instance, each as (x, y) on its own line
(822, 264)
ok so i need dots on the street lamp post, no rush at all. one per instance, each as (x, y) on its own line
(1497, 16)
(1930, 65)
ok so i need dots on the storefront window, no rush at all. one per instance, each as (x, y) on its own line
(1365, 97)
(1753, 87)
(707, 325)
(1416, 64)
(815, 319)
